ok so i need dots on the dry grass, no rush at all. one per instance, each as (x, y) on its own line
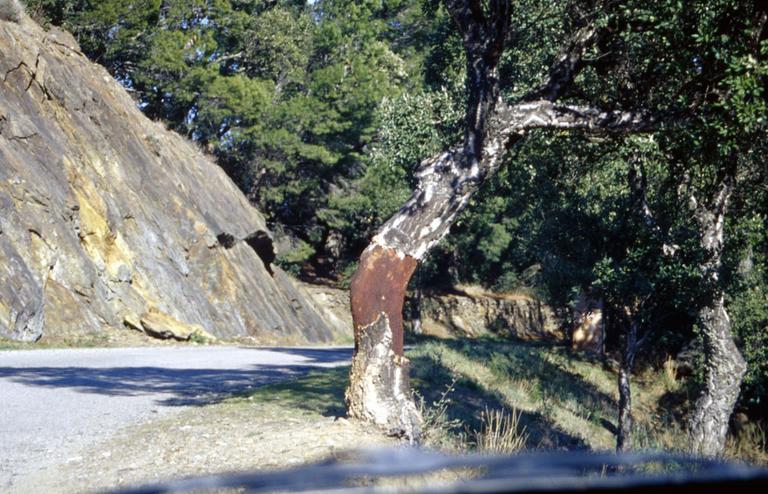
(749, 443)
(439, 430)
(561, 400)
(477, 291)
(501, 433)
(669, 374)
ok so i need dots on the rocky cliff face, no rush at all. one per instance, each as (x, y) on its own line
(109, 220)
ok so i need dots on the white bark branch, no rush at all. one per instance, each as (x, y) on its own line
(544, 114)
(637, 185)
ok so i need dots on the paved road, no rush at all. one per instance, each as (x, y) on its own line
(54, 402)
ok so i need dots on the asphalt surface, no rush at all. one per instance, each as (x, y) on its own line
(53, 403)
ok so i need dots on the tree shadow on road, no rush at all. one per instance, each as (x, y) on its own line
(174, 387)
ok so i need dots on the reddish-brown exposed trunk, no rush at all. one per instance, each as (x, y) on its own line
(378, 287)
(379, 389)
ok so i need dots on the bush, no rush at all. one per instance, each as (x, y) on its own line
(293, 259)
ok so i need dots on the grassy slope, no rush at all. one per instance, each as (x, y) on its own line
(565, 400)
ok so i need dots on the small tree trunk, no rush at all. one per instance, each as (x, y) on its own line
(725, 369)
(624, 429)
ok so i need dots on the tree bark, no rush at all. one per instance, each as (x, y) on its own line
(724, 365)
(624, 429)
(725, 369)
(378, 391)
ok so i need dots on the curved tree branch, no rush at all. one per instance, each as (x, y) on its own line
(378, 390)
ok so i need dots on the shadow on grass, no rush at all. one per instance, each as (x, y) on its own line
(468, 399)
(510, 363)
(525, 361)
(319, 391)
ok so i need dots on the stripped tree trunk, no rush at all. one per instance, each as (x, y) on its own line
(378, 391)
(725, 369)
(724, 365)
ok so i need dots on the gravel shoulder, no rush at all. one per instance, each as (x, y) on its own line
(237, 435)
(58, 405)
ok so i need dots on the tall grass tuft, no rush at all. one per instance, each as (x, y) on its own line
(670, 374)
(749, 443)
(501, 432)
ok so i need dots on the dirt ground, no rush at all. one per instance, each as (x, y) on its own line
(237, 435)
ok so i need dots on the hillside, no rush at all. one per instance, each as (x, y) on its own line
(108, 220)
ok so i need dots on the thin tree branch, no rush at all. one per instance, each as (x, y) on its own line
(638, 187)
(567, 65)
(224, 58)
(459, 12)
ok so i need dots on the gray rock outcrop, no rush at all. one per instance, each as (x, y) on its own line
(471, 311)
(107, 219)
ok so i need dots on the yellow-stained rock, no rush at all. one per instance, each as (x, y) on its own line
(472, 311)
(158, 324)
(132, 321)
(65, 314)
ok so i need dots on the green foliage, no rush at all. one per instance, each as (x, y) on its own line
(293, 259)
(411, 127)
(748, 302)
